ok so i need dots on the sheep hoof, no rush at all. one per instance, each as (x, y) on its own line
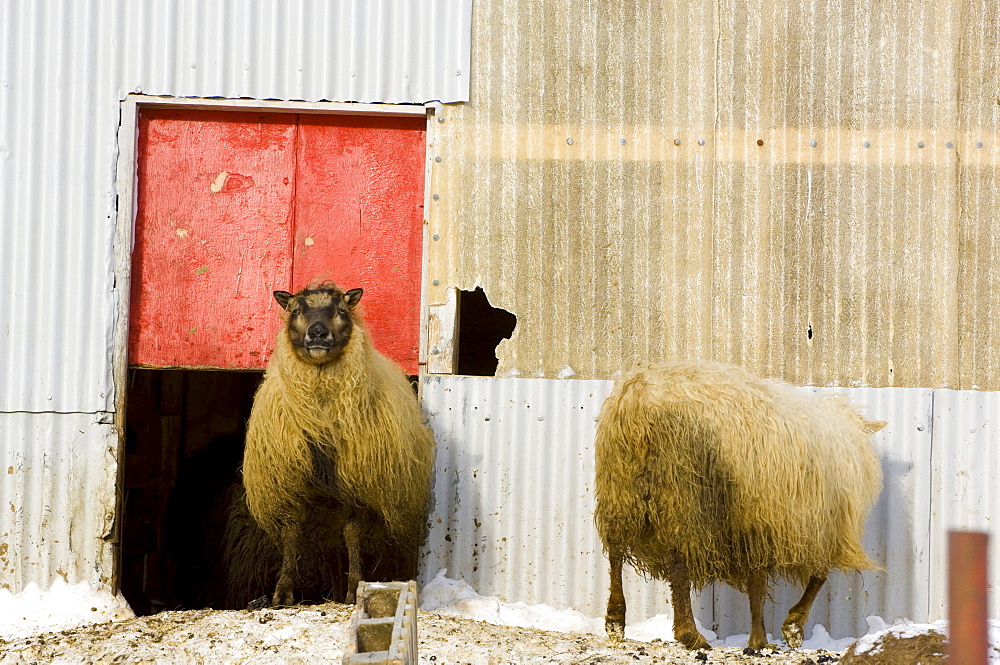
(693, 640)
(615, 629)
(759, 645)
(792, 632)
(282, 598)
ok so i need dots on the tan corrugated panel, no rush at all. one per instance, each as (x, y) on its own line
(835, 262)
(834, 228)
(561, 190)
(979, 240)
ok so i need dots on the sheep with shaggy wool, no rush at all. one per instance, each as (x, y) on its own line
(335, 422)
(706, 472)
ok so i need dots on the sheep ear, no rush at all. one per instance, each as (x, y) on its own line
(283, 298)
(873, 426)
(353, 297)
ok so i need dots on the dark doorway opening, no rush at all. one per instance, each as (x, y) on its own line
(172, 417)
(480, 328)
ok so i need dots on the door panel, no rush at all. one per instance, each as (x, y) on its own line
(235, 205)
(361, 223)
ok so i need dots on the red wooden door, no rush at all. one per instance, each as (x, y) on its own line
(235, 205)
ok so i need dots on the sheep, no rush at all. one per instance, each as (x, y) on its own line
(335, 422)
(706, 472)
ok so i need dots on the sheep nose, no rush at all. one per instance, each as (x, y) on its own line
(318, 331)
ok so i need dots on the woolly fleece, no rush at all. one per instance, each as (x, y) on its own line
(361, 412)
(734, 474)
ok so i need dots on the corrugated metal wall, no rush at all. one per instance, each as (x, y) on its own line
(513, 502)
(65, 67)
(805, 188)
(57, 496)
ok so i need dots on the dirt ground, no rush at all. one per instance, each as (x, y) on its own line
(319, 633)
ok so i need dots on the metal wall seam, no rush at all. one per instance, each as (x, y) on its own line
(513, 507)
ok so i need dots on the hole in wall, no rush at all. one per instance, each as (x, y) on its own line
(183, 447)
(481, 327)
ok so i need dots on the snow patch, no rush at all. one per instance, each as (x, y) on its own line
(456, 597)
(280, 635)
(901, 628)
(821, 639)
(60, 607)
(63, 606)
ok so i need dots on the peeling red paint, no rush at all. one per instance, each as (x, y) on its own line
(234, 205)
(227, 182)
(236, 182)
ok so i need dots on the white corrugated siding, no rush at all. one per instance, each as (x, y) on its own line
(57, 498)
(513, 502)
(966, 458)
(65, 67)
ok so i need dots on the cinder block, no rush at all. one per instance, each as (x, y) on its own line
(383, 628)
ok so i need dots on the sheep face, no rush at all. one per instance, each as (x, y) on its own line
(320, 321)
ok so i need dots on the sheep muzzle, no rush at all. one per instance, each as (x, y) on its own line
(319, 322)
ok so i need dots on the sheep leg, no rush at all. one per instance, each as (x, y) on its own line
(284, 589)
(614, 620)
(793, 630)
(352, 538)
(756, 590)
(685, 629)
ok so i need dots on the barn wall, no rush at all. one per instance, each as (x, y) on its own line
(65, 68)
(513, 502)
(800, 187)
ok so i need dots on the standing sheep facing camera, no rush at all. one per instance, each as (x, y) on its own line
(706, 472)
(335, 423)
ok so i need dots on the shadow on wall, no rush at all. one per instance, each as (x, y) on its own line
(481, 327)
(891, 538)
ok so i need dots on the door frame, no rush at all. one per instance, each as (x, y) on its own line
(126, 181)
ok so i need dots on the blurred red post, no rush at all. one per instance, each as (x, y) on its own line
(968, 616)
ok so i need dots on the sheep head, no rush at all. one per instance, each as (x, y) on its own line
(320, 321)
